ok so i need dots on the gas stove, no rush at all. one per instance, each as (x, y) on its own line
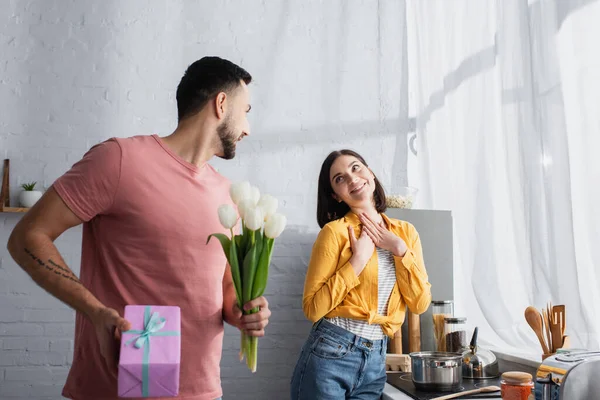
(403, 382)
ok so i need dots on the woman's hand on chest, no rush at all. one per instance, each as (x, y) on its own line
(362, 250)
(382, 237)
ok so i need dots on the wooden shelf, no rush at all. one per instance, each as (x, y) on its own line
(14, 210)
(5, 195)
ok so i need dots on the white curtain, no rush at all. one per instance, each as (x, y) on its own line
(505, 96)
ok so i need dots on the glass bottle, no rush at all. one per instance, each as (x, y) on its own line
(456, 334)
(441, 310)
(516, 385)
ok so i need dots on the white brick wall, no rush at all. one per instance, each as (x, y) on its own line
(328, 74)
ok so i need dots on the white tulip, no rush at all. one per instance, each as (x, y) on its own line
(227, 216)
(254, 194)
(275, 225)
(245, 205)
(239, 191)
(268, 204)
(253, 218)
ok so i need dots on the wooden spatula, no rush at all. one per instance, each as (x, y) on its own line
(558, 317)
(546, 317)
(566, 342)
(486, 389)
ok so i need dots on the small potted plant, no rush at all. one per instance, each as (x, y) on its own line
(28, 197)
(404, 197)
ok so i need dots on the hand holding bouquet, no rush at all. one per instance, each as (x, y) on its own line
(249, 253)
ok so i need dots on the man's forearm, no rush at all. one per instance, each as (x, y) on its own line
(229, 300)
(39, 257)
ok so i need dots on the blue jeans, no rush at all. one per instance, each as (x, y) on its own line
(337, 364)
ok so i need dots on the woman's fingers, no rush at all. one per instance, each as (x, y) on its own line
(381, 227)
(366, 221)
(352, 236)
(373, 238)
(372, 234)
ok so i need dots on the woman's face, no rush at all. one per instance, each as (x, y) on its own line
(352, 181)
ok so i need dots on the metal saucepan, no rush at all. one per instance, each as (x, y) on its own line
(434, 371)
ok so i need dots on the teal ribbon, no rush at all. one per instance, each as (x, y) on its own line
(153, 323)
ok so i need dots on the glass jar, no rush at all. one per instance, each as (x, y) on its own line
(440, 310)
(456, 334)
(517, 385)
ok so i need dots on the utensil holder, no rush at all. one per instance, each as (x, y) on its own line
(565, 345)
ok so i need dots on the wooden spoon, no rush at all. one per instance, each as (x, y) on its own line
(486, 389)
(561, 319)
(534, 319)
(550, 319)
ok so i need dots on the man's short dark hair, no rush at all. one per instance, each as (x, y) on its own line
(203, 80)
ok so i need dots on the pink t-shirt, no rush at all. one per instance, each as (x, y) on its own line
(147, 216)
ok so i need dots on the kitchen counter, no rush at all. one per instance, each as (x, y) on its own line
(391, 393)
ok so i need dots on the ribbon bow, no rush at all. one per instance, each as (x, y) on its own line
(153, 323)
(151, 327)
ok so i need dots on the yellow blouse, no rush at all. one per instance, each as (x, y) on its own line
(332, 288)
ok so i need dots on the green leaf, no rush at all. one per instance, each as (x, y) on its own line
(29, 186)
(246, 239)
(239, 241)
(235, 272)
(225, 243)
(259, 239)
(262, 270)
(249, 269)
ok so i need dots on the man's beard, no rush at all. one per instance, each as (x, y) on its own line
(228, 140)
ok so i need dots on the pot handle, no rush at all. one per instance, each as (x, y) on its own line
(443, 364)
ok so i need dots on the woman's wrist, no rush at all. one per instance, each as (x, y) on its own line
(400, 250)
(357, 264)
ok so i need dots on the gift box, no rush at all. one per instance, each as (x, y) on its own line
(150, 352)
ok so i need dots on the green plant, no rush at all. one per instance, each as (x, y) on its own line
(28, 186)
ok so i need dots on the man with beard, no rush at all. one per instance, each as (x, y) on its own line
(147, 205)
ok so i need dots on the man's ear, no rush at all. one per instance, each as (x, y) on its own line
(221, 105)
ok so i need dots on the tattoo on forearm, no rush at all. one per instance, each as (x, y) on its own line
(53, 267)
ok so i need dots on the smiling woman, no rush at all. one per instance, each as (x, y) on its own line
(365, 269)
(341, 174)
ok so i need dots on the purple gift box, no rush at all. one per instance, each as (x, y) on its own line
(150, 352)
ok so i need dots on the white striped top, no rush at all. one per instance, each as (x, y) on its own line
(385, 283)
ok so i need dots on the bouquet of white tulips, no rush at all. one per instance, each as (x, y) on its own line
(249, 253)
